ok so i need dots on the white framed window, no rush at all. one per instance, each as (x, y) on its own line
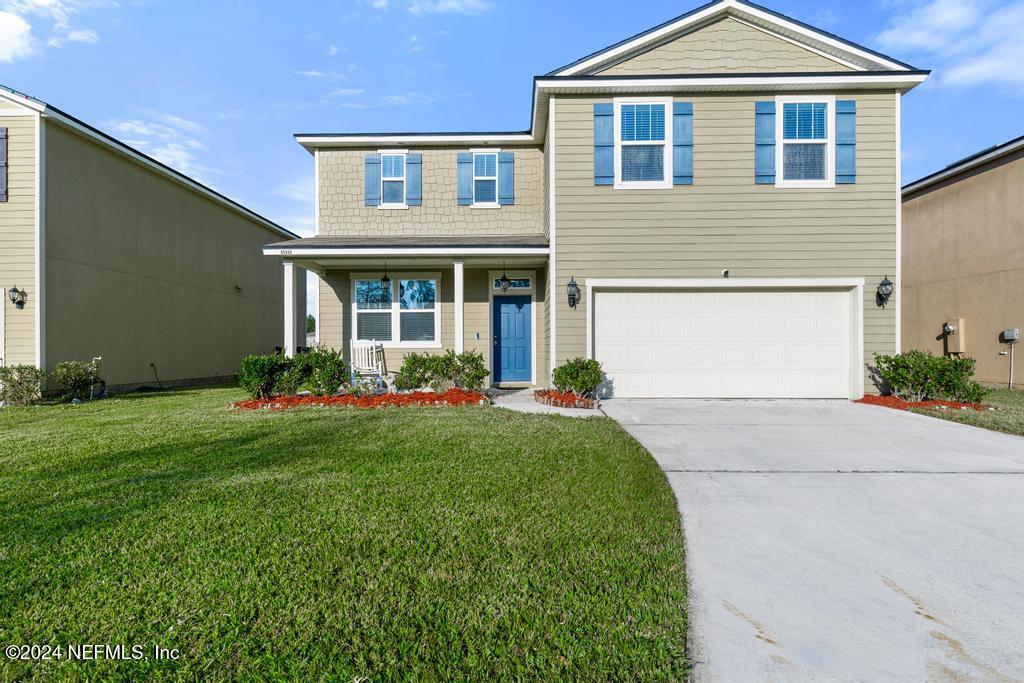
(485, 179)
(643, 142)
(407, 314)
(805, 141)
(392, 180)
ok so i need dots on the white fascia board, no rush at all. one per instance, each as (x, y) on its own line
(825, 81)
(319, 141)
(726, 283)
(21, 101)
(962, 168)
(724, 8)
(406, 251)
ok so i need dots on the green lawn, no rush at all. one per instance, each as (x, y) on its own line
(431, 544)
(1009, 416)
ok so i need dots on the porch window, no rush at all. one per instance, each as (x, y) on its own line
(404, 314)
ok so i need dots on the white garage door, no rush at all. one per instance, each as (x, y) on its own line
(724, 344)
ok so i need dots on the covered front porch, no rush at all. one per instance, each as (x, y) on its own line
(428, 295)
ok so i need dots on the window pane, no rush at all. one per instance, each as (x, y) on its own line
(393, 165)
(486, 191)
(371, 296)
(417, 326)
(642, 122)
(486, 165)
(514, 283)
(803, 162)
(417, 294)
(394, 192)
(804, 121)
(373, 326)
(643, 162)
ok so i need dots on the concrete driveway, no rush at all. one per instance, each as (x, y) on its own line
(828, 540)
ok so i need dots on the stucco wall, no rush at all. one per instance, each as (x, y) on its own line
(963, 257)
(141, 269)
(724, 220)
(17, 239)
(723, 47)
(343, 210)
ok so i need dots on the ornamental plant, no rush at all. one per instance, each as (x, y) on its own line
(76, 378)
(466, 370)
(919, 376)
(261, 376)
(581, 376)
(21, 385)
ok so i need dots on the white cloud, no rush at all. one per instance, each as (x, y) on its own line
(419, 7)
(968, 42)
(347, 92)
(82, 35)
(167, 138)
(379, 4)
(332, 50)
(415, 44)
(311, 73)
(16, 40)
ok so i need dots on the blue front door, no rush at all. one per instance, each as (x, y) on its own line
(513, 337)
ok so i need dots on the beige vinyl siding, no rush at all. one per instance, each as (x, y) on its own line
(336, 315)
(18, 239)
(726, 46)
(725, 220)
(142, 270)
(343, 209)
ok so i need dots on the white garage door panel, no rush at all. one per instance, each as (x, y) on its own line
(724, 344)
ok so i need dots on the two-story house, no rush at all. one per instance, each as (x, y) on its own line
(708, 208)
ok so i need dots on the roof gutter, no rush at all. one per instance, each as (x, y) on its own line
(319, 252)
(963, 167)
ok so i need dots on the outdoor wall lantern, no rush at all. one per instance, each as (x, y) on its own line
(884, 292)
(504, 281)
(385, 281)
(17, 296)
(573, 290)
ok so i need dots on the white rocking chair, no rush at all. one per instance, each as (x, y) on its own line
(368, 362)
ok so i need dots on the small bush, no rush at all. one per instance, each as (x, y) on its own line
(920, 376)
(327, 371)
(77, 378)
(261, 376)
(465, 370)
(21, 385)
(581, 376)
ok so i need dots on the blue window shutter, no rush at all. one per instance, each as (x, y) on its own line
(604, 143)
(506, 178)
(372, 179)
(764, 142)
(846, 141)
(682, 143)
(465, 179)
(414, 179)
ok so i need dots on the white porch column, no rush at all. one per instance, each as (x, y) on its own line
(294, 308)
(460, 334)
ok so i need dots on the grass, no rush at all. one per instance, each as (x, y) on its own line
(1008, 416)
(429, 544)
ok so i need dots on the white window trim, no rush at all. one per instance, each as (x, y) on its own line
(396, 309)
(664, 184)
(496, 292)
(830, 142)
(497, 172)
(405, 178)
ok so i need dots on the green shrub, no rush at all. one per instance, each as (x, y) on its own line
(261, 376)
(581, 376)
(326, 371)
(77, 378)
(21, 385)
(466, 370)
(920, 376)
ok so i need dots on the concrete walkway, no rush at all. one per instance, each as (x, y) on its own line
(834, 541)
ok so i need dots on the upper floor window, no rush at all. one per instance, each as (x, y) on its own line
(485, 179)
(805, 155)
(643, 143)
(392, 189)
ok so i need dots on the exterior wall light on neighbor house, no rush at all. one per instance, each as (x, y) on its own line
(17, 296)
(573, 290)
(884, 293)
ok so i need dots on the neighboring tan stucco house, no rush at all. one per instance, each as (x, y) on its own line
(121, 257)
(963, 260)
(723, 189)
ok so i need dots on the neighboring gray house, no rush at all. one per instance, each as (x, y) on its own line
(723, 190)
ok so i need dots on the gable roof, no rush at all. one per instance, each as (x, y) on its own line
(966, 164)
(67, 120)
(827, 43)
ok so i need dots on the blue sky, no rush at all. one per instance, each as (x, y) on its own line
(216, 88)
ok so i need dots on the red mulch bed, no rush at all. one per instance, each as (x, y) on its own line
(563, 399)
(452, 397)
(898, 404)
